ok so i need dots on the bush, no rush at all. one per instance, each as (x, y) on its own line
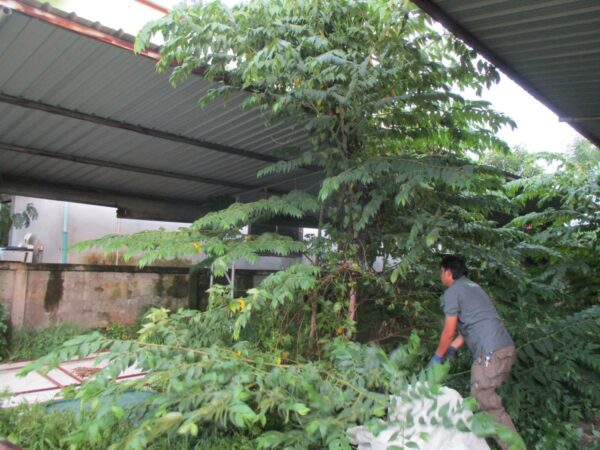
(31, 344)
(117, 330)
(553, 388)
(554, 385)
(201, 384)
(32, 427)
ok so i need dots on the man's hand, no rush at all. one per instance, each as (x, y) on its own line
(450, 354)
(454, 347)
(435, 360)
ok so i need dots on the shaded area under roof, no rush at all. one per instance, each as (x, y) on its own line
(85, 119)
(550, 47)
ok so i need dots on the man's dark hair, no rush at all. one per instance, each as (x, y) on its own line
(456, 265)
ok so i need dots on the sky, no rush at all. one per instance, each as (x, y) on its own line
(538, 128)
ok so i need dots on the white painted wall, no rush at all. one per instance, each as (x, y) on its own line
(92, 222)
(85, 222)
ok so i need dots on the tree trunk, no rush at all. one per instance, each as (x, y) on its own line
(313, 320)
(352, 306)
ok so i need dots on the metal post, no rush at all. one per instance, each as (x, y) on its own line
(118, 232)
(65, 233)
(232, 283)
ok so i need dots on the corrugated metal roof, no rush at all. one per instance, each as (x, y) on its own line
(550, 47)
(66, 93)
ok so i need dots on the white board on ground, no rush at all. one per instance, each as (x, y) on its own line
(437, 436)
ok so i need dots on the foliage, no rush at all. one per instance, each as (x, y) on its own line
(557, 373)
(516, 163)
(30, 344)
(30, 427)
(284, 403)
(19, 220)
(377, 89)
(567, 219)
(584, 153)
(34, 427)
(116, 330)
(4, 320)
(217, 235)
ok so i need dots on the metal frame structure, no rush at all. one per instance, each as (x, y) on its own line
(215, 188)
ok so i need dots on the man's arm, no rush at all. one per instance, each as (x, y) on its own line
(458, 342)
(453, 350)
(448, 334)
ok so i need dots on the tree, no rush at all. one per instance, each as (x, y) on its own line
(378, 90)
(375, 86)
(518, 162)
(584, 152)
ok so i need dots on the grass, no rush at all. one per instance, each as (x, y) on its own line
(31, 427)
(32, 344)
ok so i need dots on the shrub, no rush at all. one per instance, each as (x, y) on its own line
(31, 344)
(32, 427)
(554, 385)
(200, 384)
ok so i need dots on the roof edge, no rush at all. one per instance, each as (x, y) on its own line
(70, 21)
(441, 16)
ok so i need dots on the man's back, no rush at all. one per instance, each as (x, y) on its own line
(478, 320)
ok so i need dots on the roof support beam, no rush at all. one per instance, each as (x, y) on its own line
(120, 166)
(579, 119)
(58, 110)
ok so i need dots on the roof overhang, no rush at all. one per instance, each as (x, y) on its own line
(85, 119)
(550, 48)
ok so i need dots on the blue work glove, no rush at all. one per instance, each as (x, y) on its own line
(450, 354)
(435, 360)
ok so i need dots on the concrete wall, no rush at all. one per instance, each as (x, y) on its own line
(38, 295)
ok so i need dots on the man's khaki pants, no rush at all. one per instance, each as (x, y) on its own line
(486, 377)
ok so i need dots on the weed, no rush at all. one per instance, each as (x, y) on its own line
(29, 426)
(117, 330)
(31, 344)
(32, 427)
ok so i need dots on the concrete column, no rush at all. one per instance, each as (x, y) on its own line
(19, 297)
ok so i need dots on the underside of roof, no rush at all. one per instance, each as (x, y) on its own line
(550, 47)
(83, 118)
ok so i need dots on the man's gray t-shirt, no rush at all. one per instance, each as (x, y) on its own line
(478, 320)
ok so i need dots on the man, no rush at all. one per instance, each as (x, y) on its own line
(467, 306)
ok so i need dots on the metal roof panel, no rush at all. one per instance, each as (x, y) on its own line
(550, 47)
(63, 86)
